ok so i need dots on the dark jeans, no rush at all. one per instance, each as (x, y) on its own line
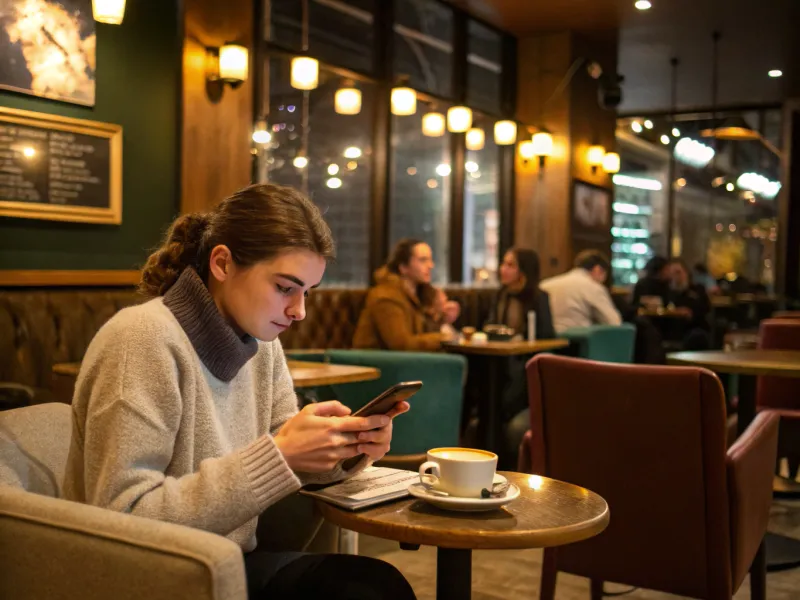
(284, 575)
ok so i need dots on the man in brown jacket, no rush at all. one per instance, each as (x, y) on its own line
(393, 317)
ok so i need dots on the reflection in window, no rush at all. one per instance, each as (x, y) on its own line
(420, 199)
(481, 209)
(484, 64)
(327, 156)
(423, 45)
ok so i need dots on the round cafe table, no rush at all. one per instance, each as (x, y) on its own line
(547, 513)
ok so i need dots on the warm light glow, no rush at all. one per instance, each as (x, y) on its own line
(729, 187)
(411, 170)
(693, 153)
(665, 139)
(475, 139)
(334, 183)
(260, 133)
(443, 170)
(352, 165)
(333, 169)
(404, 101)
(636, 126)
(347, 101)
(640, 183)
(300, 162)
(643, 4)
(459, 119)
(526, 150)
(505, 133)
(595, 155)
(648, 124)
(718, 227)
(679, 183)
(108, 11)
(775, 73)
(433, 124)
(233, 63)
(471, 166)
(759, 184)
(535, 482)
(352, 152)
(611, 162)
(732, 228)
(28, 152)
(542, 144)
(433, 184)
(676, 132)
(305, 73)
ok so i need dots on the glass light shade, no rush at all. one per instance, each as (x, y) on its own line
(305, 73)
(404, 101)
(611, 162)
(348, 101)
(260, 133)
(459, 119)
(595, 155)
(233, 63)
(542, 144)
(526, 150)
(433, 124)
(108, 11)
(475, 138)
(505, 133)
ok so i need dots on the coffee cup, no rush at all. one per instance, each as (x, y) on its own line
(467, 332)
(461, 472)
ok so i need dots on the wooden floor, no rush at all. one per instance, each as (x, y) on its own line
(511, 574)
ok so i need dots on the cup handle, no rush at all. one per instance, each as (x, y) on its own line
(427, 479)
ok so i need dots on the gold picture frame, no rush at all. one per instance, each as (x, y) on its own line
(111, 211)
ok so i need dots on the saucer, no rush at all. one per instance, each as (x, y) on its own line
(465, 504)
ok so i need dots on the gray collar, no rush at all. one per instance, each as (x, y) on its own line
(222, 351)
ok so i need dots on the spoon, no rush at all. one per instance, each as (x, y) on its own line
(498, 490)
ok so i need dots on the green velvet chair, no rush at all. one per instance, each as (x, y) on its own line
(435, 414)
(606, 343)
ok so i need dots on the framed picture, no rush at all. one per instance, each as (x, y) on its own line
(591, 211)
(47, 49)
(59, 169)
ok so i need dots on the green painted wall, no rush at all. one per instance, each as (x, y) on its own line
(138, 87)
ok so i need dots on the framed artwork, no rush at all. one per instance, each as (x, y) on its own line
(591, 210)
(47, 49)
(60, 169)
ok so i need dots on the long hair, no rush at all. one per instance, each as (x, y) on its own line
(528, 261)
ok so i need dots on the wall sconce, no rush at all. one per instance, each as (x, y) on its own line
(611, 162)
(505, 133)
(433, 124)
(347, 100)
(305, 73)
(459, 119)
(542, 146)
(404, 101)
(475, 138)
(108, 11)
(594, 156)
(526, 150)
(227, 64)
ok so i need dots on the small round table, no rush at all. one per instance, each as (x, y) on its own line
(547, 513)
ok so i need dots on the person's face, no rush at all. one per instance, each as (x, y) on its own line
(420, 265)
(509, 270)
(665, 274)
(264, 299)
(599, 274)
(679, 276)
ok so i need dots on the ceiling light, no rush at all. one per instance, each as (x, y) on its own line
(333, 169)
(471, 166)
(347, 101)
(733, 129)
(404, 101)
(352, 152)
(433, 124)
(505, 133)
(636, 126)
(475, 138)
(759, 184)
(665, 139)
(300, 162)
(334, 183)
(775, 73)
(640, 183)
(693, 153)
(643, 4)
(648, 124)
(305, 73)
(676, 132)
(729, 186)
(443, 170)
(108, 11)
(459, 119)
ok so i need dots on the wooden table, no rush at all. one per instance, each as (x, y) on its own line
(489, 398)
(782, 552)
(548, 513)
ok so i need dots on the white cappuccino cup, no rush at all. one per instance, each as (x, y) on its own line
(461, 472)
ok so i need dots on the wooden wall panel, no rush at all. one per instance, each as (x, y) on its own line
(215, 154)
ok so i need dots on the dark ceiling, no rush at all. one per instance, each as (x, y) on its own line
(757, 35)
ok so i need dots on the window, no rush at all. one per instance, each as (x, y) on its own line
(327, 156)
(420, 199)
(423, 45)
(484, 67)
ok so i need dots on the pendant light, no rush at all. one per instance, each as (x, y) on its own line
(459, 119)
(305, 73)
(404, 101)
(347, 101)
(433, 124)
(110, 12)
(505, 133)
(475, 139)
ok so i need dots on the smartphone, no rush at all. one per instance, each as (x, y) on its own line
(384, 403)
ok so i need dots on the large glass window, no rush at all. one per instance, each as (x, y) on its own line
(420, 198)
(327, 156)
(423, 45)
(484, 67)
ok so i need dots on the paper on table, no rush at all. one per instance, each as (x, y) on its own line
(372, 486)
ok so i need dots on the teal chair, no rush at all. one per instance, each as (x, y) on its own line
(435, 415)
(606, 343)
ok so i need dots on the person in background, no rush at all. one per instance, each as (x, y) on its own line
(394, 317)
(692, 299)
(654, 284)
(440, 311)
(579, 297)
(184, 409)
(703, 277)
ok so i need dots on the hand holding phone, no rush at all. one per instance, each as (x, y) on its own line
(387, 400)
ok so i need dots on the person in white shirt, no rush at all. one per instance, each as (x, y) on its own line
(579, 298)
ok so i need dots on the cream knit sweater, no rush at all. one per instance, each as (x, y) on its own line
(173, 418)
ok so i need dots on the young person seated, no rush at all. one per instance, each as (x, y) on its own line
(184, 409)
(394, 317)
(655, 283)
(692, 299)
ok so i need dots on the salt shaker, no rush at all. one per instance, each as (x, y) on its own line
(531, 326)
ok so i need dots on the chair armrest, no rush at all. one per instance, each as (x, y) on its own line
(750, 464)
(524, 464)
(52, 548)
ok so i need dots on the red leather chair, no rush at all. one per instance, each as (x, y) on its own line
(782, 394)
(687, 516)
(786, 314)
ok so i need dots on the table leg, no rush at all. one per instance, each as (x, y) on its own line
(453, 574)
(782, 552)
(489, 404)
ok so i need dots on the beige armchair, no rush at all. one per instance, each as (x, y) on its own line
(55, 549)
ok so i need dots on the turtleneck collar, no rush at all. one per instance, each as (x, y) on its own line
(222, 351)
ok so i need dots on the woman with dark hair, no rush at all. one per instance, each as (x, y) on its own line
(693, 299)
(654, 284)
(184, 409)
(394, 317)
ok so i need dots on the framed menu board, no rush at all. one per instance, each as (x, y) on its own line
(59, 168)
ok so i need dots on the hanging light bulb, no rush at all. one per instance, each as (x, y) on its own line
(404, 101)
(260, 133)
(475, 138)
(505, 133)
(543, 143)
(433, 124)
(347, 101)
(459, 119)
(611, 162)
(305, 73)
(108, 11)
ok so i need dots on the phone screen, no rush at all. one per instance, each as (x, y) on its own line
(384, 403)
